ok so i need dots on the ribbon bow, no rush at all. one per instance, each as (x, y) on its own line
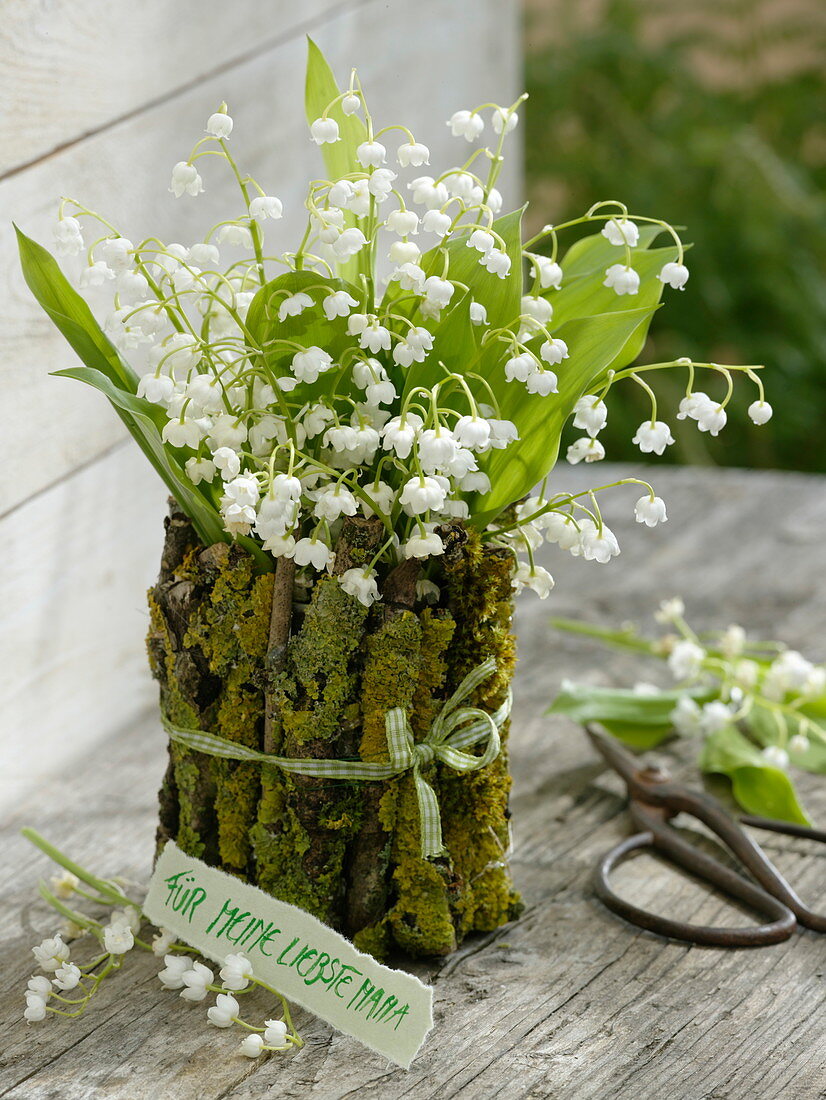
(454, 729)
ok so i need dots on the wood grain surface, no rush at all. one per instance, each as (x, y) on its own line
(568, 1002)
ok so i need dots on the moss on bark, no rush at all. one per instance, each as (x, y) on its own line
(349, 852)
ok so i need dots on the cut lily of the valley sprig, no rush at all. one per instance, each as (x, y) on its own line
(758, 707)
(73, 984)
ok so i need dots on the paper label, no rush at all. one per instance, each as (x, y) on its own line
(388, 1010)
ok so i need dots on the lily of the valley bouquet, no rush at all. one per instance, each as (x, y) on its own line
(353, 431)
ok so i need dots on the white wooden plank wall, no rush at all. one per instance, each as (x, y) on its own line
(98, 100)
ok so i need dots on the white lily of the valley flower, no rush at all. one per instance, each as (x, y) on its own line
(585, 449)
(776, 757)
(799, 743)
(338, 304)
(674, 275)
(293, 305)
(360, 583)
(185, 180)
(307, 365)
(235, 235)
(324, 131)
(466, 124)
(251, 1045)
(349, 243)
(687, 717)
(96, 274)
(711, 418)
(266, 206)
(195, 980)
(622, 279)
(172, 976)
(760, 412)
(67, 977)
(117, 252)
(423, 546)
(478, 314)
(621, 231)
(51, 953)
(539, 308)
(497, 262)
(650, 511)
(219, 125)
(275, 1032)
(236, 972)
(543, 383)
(351, 103)
(535, 577)
(422, 494)
(118, 939)
(549, 272)
(692, 405)
(162, 941)
(553, 351)
(64, 885)
(653, 437)
(504, 120)
(413, 152)
(685, 659)
(426, 191)
(224, 1011)
(371, 154)
(402, 222)
(35, 1010)
(68, 237)
(596, 544)
(590, 413)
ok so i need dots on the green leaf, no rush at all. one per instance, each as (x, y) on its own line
(641, 721)
(594, 343)
(757, 786)
(145, 422)
(309, 328)
(339, 156)
(70, 313)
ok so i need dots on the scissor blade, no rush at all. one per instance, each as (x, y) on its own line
(621, 761)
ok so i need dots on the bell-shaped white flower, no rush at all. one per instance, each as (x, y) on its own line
(172, 976)
(472, 432)
(185, 180)
(324, 131)
(776, 757)
(235, 235)
(224, 1011)
(351, 103)
(117, 253)
(413, 152)
(227, 461)
(497, 262)
(549, 272)
(251, 1045)
(653, 436)
(195, 981)
(478, 314)
(338, 304)
(685, 659)
(398, 434)
(543, 383)
(427, 192)
(711, 418)
(275, 1032)
(334, 502)
(590, 413)
(157, 388)
(307, 365)
(35, 1009)
(621, 231)
(349, 243)
(559, 527)
(504, 120)
(219, 125)
(266, 206)
(553, 351)
(692, 405)
(596, 544)
(118, 938)
(622, 279)
(409, 276)
(435, 221)
(51, 953)
(466, 124)
(314, 552)
(67, 977)
(675, 275)
(436, 449)
(422, 494)
(425, 545)
(760, 412)
(380, 183)
(519, 368)
(96, 274)
(650, 511)
(68, 237)
(539, 308)
(182, 433)
(371, 154)
(438, 291)
(402, 222)
(585, 450)
(360, 583)
(293, 305)
(536, 578)
(204, 255)
(481, 240)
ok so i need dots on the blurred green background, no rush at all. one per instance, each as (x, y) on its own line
(711, 115)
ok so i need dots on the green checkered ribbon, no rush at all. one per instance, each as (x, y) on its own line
(455, 729)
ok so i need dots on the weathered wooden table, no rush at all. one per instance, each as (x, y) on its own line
(568, 1001)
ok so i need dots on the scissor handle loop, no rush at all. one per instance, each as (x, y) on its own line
(783, 922)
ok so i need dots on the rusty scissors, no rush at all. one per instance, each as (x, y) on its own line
(654, 799)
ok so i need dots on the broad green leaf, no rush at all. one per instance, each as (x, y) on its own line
(594, 344)
(339, 156)
(641, 721)
(70, 313)
(307, 329)
(758, 787)
(145, 422)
